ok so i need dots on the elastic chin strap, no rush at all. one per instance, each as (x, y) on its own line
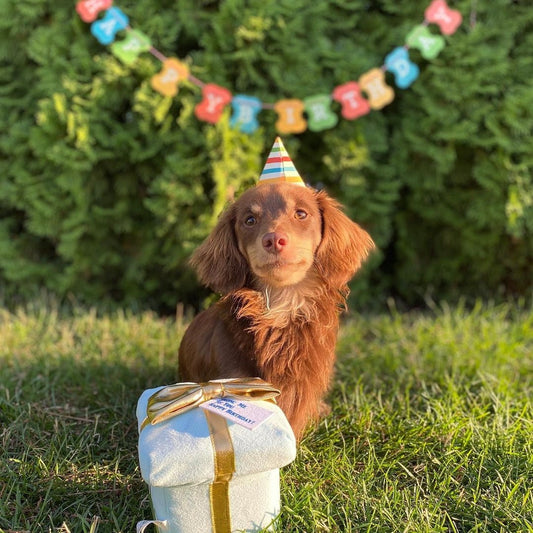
(143, 524)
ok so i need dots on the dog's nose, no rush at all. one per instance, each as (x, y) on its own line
(275, 242)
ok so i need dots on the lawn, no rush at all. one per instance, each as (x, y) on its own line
(431, 426)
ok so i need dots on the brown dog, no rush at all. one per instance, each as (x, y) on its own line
(281, 256)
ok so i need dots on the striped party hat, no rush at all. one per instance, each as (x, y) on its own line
(279, 167)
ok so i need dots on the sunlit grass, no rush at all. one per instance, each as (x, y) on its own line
(431, 425)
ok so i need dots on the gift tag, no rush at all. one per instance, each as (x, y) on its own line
(247, 414)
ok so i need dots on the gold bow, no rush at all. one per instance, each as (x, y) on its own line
(181, 397)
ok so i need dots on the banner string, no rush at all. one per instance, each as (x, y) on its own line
(357, 98)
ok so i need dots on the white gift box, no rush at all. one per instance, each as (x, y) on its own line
(178, 461)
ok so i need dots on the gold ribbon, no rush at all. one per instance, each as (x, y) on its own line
(224, 458)
(179, 398)
(182, 397)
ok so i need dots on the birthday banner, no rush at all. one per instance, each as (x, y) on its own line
(357, 98)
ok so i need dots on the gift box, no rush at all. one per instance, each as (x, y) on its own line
(207, 473)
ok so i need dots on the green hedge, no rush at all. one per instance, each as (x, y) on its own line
(106, 186)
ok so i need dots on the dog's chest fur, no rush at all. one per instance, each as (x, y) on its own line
(279, 325)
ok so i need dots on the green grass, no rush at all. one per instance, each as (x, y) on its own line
(431, 427)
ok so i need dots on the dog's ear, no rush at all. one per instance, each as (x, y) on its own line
(218, 261)
(344, 245)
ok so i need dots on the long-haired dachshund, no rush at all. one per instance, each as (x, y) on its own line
(281, 257)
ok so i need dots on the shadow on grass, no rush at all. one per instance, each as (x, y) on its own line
(69, 443)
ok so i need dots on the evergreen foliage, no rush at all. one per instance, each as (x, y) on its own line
(106, 186)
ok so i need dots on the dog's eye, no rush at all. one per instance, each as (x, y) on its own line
(300, 214)
(250, 221)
